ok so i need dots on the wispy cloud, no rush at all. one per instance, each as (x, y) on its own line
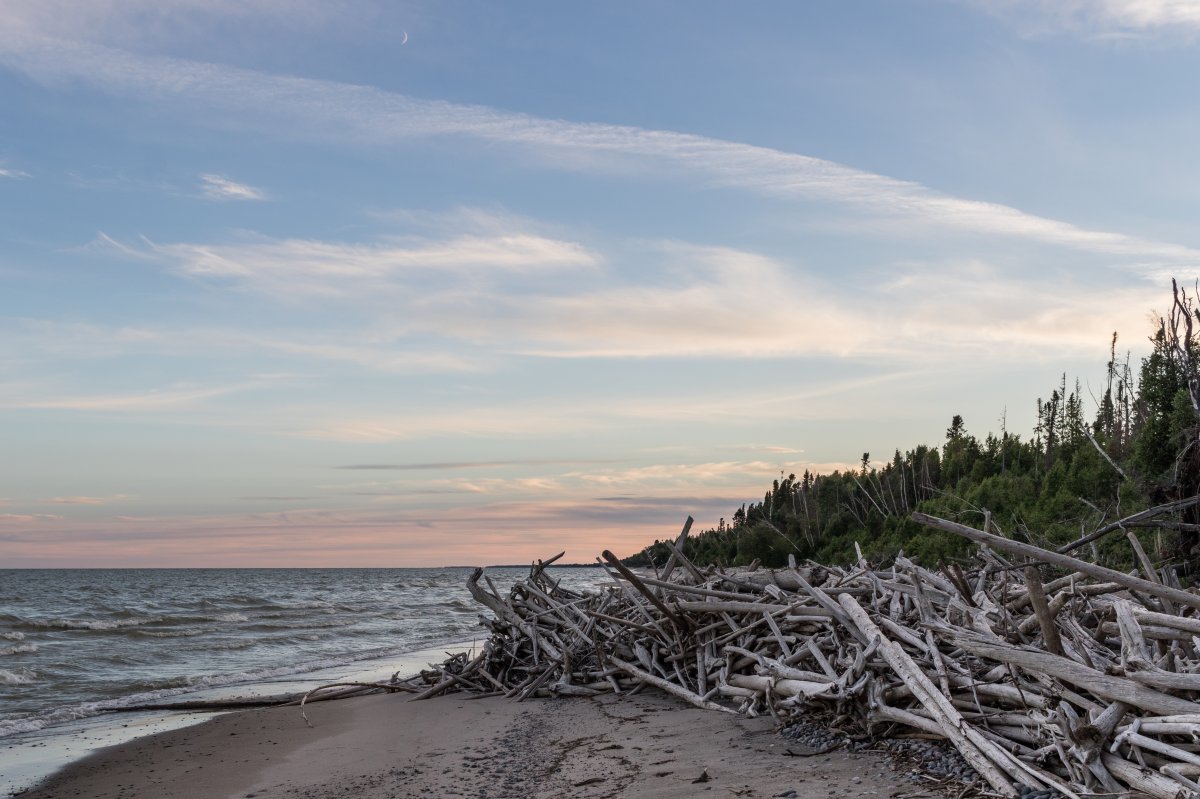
(322, 265)
(266, 498)
(1101, 18)
(154, 400)
(915, 309)
(29, 517)
(136, 21)
(665, 477)
(622, 300)
(367, 351)
(540, 417)
(455, 465)
(773, 449)
(87, 500)
(494, 292)
(15, 174)
(290, 106)
(216, 187)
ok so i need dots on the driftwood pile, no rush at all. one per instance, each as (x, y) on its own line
(1082, 684)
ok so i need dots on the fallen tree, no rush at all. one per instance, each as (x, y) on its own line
(1081, 682)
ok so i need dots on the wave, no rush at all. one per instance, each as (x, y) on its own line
(127, 623)
(88, 624)
(18, 649)
(178, 686)
(19, 677)
(229, 646)
(265, 626)
(229, 617)
(185, 633)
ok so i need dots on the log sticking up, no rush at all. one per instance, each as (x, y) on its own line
(1057, 683)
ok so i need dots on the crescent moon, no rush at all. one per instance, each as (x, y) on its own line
(404, 41)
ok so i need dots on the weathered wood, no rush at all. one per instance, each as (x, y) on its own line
(633, 579)
(667, 686)
(1117, 689)
(947, 717)
(1066, 562)
(1130, 521)
(1143, 779)
(895, 648)
(1037, 597)
(676, 557)
(506, 613)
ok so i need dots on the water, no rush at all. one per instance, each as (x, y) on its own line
(79, 643)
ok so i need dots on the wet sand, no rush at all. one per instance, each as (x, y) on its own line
(387, 747)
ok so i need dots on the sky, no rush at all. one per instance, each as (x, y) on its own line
(305, 283)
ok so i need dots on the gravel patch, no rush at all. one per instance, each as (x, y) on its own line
(919, 760)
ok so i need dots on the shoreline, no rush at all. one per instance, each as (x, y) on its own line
(26, 758)
(387, 746)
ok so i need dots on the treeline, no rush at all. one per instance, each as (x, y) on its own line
(1075, 473)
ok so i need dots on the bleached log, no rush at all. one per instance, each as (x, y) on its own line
(731, 606)
(676, 557)
(668, 687)
(784, 687)
(1143, 779)
(951, 723)
(509, 615)
(1117, 689)
(1037, 553)
(1041, 609)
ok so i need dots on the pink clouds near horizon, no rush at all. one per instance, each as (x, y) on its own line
(516, 532)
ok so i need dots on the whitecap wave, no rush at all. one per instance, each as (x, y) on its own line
(188, 633)
(18, 649)
(93, 624)
(14, 635)
(229, 617)
(18, 677)
(178, 686)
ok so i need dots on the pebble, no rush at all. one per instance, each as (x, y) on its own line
(933, 758)
(937, 759)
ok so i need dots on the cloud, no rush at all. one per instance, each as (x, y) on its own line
(372, 354)
(773, 449)
(502, 294)
(326, 110)
(216, 187)
(87, 500)
(137, 21)
(661, 483)
(472, 302)
(730, 303)
(437, 466)
(15, 174)
(155, 400)
(1104, 19)
(276, 499)
(665, 477)
(305, 267)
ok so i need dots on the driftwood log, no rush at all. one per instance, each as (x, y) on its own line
(1081, 681)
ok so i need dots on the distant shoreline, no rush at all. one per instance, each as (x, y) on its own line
(293, 568)
(526, 566)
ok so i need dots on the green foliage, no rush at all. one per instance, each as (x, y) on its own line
(1046, 489)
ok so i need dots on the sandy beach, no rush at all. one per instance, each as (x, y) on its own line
(386, 746)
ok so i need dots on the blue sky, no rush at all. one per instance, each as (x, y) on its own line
(309, 283)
